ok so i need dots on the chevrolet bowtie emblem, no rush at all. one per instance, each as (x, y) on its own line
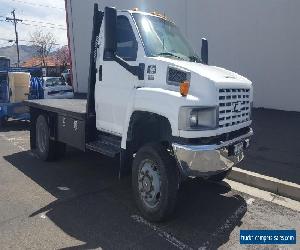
(237, 106)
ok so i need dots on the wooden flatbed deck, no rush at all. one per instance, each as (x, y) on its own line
(75, 108)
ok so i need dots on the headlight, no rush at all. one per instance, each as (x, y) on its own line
(191, 118)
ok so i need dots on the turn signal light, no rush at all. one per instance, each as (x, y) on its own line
(184, 88)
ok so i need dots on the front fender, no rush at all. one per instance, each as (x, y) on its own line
(161, 102)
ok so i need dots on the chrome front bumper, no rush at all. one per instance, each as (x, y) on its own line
(207, 160)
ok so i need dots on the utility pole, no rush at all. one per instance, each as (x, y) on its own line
(15, 21)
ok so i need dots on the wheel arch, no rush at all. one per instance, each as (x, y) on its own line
(146, 127)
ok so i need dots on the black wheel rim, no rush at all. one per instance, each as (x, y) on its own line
(149, 183)
(42, 137)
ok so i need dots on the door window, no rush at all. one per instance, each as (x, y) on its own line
(126, 42)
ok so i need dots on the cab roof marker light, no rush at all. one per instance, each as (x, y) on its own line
(163, 16)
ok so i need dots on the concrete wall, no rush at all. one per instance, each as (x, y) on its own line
(258, 39)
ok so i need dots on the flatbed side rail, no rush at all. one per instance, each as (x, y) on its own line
(67, 125)
(70, 107)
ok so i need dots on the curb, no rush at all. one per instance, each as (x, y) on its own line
(273, 185)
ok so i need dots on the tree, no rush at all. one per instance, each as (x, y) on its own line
(62, 56)
(43, 43)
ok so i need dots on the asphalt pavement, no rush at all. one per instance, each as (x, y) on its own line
(79, 203)
(275, 146)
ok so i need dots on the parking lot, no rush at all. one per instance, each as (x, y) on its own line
(275, 145)
(79, 203)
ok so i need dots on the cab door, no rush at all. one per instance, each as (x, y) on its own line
(115, 87)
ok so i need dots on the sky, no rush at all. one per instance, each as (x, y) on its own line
(36, 14)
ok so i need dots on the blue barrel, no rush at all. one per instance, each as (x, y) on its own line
(36, 88)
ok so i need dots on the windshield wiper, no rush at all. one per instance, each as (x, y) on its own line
(168, 54)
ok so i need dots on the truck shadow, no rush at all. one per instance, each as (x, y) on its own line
(94, 207)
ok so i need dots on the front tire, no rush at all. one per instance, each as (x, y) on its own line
(155, 182)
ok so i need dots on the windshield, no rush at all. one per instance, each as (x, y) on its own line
(163, 38)
(49, 82)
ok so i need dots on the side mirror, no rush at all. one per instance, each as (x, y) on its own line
(110, 45)
(204, 51)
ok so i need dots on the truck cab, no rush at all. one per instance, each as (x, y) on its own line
(156, 103)
(179, 94)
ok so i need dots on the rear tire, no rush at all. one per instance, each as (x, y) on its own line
(47, 149)
(155, 182)
(44, 146)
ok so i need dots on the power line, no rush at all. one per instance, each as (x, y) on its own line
(38, 5)
(8, 40)
(52, 24)
(29, 41)
(43, 26)
(41, 22)
(60, 26)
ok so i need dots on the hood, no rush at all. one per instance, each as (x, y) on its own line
(205, 79)
(218, 75)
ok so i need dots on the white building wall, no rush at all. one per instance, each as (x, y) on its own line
(258, 39)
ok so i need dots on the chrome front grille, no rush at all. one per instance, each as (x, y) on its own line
(234, 106)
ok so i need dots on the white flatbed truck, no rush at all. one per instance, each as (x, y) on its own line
(152, 101)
